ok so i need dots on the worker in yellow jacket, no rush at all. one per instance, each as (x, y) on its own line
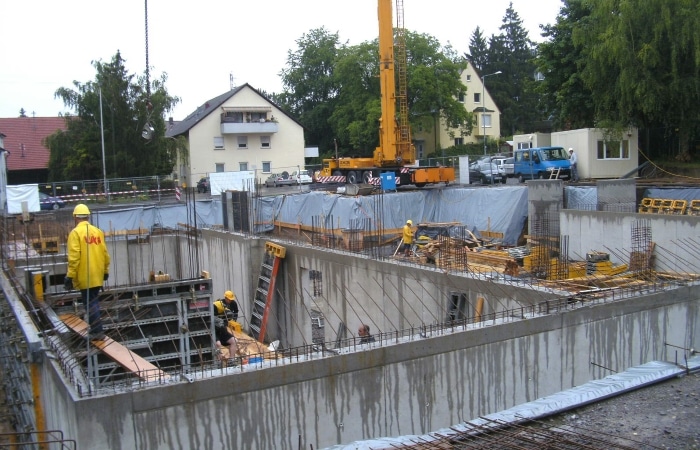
(227, 307)
(88, 267)
(407, 237)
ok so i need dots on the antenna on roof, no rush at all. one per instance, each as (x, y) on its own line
(231, 78)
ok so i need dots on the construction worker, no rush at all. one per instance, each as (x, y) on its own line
(407, 237)
(88, 267)
(227, 307)
(224, 340)
(365, 336)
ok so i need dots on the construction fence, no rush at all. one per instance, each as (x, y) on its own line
(116, 190)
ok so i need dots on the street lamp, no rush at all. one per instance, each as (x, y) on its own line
(483, 101)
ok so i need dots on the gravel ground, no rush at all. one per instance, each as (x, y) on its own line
(665, 415)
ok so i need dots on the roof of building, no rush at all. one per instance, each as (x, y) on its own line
(183, 126)
(23, 140)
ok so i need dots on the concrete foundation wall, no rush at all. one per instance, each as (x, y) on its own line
(676, 237)
(409, 388)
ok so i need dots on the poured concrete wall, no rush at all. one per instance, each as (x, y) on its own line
(617, 195)
(676, 237)
(409, 388)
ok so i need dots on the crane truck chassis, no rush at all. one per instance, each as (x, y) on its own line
(396, 152)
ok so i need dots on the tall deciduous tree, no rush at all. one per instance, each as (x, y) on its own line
(126, 108)
(310, 86)
(643, 63)
(334, 89)
(564, 96)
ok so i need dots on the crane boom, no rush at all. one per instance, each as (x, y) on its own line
(396, 152)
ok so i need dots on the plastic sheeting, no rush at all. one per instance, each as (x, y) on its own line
(583, 198)
(673, 193)
(501, 209)
(16, 194)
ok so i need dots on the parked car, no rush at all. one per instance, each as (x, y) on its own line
(203, 185)
(302, 177)
(485, 173)
(508, 167)
(279, 179)
(46, 202)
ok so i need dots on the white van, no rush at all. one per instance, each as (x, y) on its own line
(301, 177)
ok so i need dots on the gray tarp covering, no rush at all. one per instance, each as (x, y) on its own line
(583, 198)
(500, 209)
(503, 209)
(673, 193)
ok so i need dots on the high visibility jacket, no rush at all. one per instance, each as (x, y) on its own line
(222, 309)
(88, 258)
(407, 235)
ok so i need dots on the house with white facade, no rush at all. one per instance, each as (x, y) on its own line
(240, 130)
(478, 101)
(600, 154)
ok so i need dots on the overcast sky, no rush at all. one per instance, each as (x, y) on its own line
(47, 44)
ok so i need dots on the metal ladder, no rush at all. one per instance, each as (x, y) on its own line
(554, 174)
(265, 292)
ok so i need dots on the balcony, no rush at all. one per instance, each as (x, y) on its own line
(233, 125)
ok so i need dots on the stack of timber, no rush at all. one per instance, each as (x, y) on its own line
(496, 260)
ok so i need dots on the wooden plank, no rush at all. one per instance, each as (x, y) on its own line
(117, 352)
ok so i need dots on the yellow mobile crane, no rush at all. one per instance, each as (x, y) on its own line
(396, 153)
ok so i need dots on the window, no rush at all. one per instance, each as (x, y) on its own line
(219, 167)
(477, 97)
(266, 167)
(613, 149)
(243, 166)
(419, 148)
(234, 116)
(258, 117)
(486, 120)
(459, 141)
(461, 97)
(242, 141)
(524, 145)
(469, 77)
(218, 143)
(264, 141)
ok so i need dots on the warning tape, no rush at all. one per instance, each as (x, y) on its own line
(93, 196)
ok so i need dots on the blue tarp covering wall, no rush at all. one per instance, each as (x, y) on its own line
(500, 209)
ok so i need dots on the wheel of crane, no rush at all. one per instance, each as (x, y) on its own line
(337, 173)
(352, 177)
(366, 176)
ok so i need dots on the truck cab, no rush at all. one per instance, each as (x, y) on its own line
(534, 163)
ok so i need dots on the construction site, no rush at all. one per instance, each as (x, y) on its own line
(509, 297)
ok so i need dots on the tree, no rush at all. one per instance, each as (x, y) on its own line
(126, 108)
(564, 95)
(334, 89)
(512, 53)
(643, 64)
(478, 50)
(310, 87)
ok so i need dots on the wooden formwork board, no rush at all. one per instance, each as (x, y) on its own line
(117, 352)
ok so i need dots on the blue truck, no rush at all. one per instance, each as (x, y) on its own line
(541, 163)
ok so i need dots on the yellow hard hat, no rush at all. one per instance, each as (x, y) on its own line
(81, 210)
(229, 295)
(409, 221)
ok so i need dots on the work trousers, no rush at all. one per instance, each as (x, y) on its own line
(92, 307)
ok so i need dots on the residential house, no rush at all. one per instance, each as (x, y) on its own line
(240, 130)
(27, 157)
(599, 155)
(478, 101)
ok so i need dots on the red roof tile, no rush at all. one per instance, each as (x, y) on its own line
(23, 140)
